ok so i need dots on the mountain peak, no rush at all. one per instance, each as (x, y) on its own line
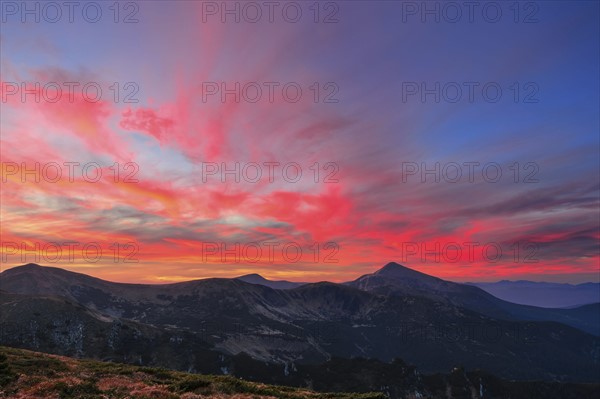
(253, 278)
(393, 265)
(394, 269)
(27, 268)
(30, 265)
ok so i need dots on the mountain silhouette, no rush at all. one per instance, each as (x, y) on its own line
(397, 280)
(547, 295)
(276, 284)
(393, 313)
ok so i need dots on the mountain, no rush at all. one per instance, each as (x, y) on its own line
(275, 284)
(398, 280)
(545, 295)
(214, 323)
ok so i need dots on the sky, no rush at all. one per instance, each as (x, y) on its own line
(157, 141)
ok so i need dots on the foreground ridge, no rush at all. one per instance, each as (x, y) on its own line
(27, 374)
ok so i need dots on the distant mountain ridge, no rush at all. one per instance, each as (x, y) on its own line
(547, 295)
(393, 313)
(275, 284)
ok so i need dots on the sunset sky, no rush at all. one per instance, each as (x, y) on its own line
(366, 135)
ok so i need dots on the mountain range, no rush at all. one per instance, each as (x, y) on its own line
(275, 284)
(546, 295)
(523, 292)
(278, 333)
(394, 279)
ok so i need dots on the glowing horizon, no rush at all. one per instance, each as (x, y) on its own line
(146, 178)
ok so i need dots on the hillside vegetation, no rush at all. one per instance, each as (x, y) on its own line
(26, 375)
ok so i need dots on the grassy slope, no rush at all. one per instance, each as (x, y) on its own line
(27, 374)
